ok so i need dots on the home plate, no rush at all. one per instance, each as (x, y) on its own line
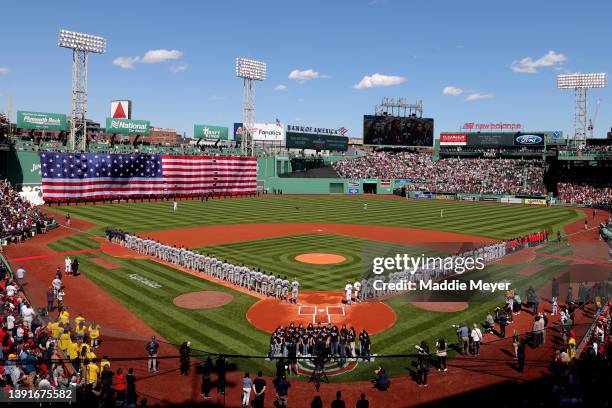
(319, 230)
(321, 310)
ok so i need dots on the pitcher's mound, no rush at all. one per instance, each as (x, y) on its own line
(206, 299)
(320, 259)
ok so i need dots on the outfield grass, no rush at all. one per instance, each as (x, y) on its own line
(226, 329)
(487, 220)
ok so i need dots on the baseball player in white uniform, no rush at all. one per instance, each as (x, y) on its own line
(348, 292)
(357, 289)
(68, 265)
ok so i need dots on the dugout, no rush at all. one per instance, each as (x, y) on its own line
(370, 188)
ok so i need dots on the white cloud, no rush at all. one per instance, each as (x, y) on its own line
(452, 90)
(157, 56)
(126, 62)
(299, 119)
(4, 70)
(306, 75)
(377, 80)
(179, 67)
(477, 96)
(528, 66)
(281, 88)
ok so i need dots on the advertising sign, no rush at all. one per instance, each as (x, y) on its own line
(317, 130)
(443, 196)
(534, 201)
(453, 139)
(316, 141)
(121, 109)
(492, 126)
(209, 132)
(496, 139)
(385, 183)
(271, 132)
(529, 140)
(127, 126)
(353, 183)
(353, 191)
(402, 182)
(41, 120)
(397, 131)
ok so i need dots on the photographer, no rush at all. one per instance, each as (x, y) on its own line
(381, 380)
(422, 363)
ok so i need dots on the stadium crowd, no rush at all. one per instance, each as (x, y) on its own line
(252, 280)
(450, 175)
(41, 352)
(18, 218)
(580, 193)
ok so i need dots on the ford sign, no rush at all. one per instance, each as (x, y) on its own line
(529, 140)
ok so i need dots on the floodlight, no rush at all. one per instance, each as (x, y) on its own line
(250, 69)
(81, 45)
(82, 42)
(580, 82)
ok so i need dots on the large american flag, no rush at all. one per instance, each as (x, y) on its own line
(72, 176)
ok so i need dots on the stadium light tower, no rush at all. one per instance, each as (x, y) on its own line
(80, 44)
(580, 82)
(249, 70)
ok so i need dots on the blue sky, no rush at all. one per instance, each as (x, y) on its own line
(500, 58)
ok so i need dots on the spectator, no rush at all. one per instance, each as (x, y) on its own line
(207, 368)
(463, 335)
(338, 402)
(282, 391)
(259, 387)
(476, 339)
(363, 402)
(185, 357)
(441, 354)
(247, 384)
(317, 402)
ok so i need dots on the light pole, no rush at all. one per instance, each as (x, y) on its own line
(249, 70)
(80, 44)
(580, 82)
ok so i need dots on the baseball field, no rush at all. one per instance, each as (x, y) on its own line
(269, 232)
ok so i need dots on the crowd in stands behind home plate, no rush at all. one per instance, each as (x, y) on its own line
(18, 218)
(451, 175)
